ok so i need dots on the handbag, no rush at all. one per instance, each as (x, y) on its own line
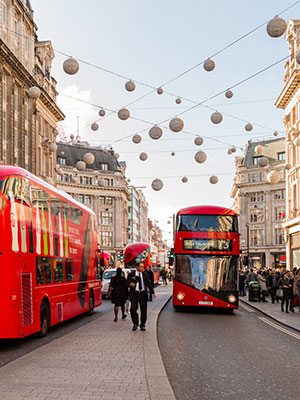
(296, 301)
(279, 292)
(109, 292)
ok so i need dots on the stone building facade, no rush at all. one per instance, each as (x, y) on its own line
(288, 100)
(102, 187)
(137, 216)
(27, 126)
(261, 205)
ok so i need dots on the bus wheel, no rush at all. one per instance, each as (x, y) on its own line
(91, 303)
(44, 319)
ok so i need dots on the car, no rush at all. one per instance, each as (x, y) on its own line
(107, 275)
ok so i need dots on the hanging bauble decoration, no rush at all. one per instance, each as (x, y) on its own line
(34, 92)
(259, 149)
(213, 179)
(275, 133)
(53, 147)
(71, 66)
(117, 156)
(160, 90)
(75, 179)
(49, 180)
(59, 171)
(81, 165)
(157, 184)
(62, 153)
(216, 117)
(155, 132)
(173, 153)
(128, 180)
(228, 94)
(101, 182)
(123, 114)
(209, 65)
(72, 137)
(233, 149)
(198, 141)
(94, 126)
(101, 112)
(229, 151)
(88, 158)
(130, 86)
(184, 179)
(263, 162)
(276, 27)
(200, 157)
(288, 166)
(273, 177)
(297, 141)
(176, 125)
(136, 139)
(178, 100)
(248, 127)
(143, 156)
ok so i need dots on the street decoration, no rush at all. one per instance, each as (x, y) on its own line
(136, 139)
(88, 158)
(273, 177)
(259, 149)
(71, 66)
(101, 112)
(53, 147)
(184, 179)
(209, 65)
(248, 127)
(143, 156)
(228, 94)
(198, 141)
(123, 114)
(160, 90)
(213, 179)
(94, 126)
(276, 27)
(157, 184)
(216, 117)
(130, 86)
(176, 125)
(178, 100)
(155, 132)
(263, 162)
(34, 92)
(200, 157)
(80, 165)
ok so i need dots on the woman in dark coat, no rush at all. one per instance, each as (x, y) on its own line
(119, 293)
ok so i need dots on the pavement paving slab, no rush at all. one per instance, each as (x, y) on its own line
(291, 319)
(101, 360)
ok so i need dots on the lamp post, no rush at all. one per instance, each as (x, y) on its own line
(248, 258)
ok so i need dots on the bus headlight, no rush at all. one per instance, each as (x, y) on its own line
(180, 296)
(231, 298)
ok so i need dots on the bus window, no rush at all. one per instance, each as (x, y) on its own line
(58, 266)
(40, 198)
(17, 187)
(43, 270)
(76, 215)
(55, 206)
(66, 211)
(69, 270)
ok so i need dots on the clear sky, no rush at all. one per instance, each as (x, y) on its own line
(152, 42)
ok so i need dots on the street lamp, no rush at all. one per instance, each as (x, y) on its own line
(248, 259)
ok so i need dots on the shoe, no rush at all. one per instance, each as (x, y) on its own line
(287, 312)
(134, 328)
(282, 310)
(292, 310)
(143, 328)
(124, 316)
(115, 320)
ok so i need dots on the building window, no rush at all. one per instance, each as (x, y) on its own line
(256, 215)
(279, 194)
(256, 159)
(279, 236)
(281, 156)
(256, 196)
(106, 182)
(106, 239)
(256, 177)
(102, 200)
(4, 11)
(87, 199)
(61, 161)
(256, 237)
(105, 218)
(103, 166)
(81, 198)
(279, 213)
(109, 201)
(65, 177)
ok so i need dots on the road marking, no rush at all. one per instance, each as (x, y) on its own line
(246, 308)
(279, 328)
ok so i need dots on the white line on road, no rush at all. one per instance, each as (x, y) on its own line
(279, 328)
(246, 307)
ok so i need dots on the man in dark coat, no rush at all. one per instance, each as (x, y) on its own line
(138, 283)
(151, 276)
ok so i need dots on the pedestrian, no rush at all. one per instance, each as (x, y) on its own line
(138, 283)
(164, 276)
(151, 276)
(284, 282)
(297, 286)
(263, 287)
(272, 284)
(242, 283)
(291, 291)
(119, 293)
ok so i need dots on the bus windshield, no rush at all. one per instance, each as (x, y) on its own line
(207, 223)
(207, 273)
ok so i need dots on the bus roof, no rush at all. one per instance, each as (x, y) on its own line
(206, 209)
(7, 170)
(134, 249)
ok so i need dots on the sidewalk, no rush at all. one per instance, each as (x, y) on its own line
(101, 360)
(292, 319)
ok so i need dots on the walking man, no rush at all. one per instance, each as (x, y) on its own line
(139, 282)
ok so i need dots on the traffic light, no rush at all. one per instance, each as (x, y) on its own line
(118, 255)
(171, 257)
(245, 260)
(121, 256)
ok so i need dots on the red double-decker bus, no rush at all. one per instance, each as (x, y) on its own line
(106, 259)
(142, 252)
(49, 258)
(206, 258)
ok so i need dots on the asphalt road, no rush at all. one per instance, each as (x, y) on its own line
(240, 355)
(14, 348)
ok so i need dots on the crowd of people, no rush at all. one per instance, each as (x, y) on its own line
(280, 285)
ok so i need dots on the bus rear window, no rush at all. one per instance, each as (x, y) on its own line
(207, 223)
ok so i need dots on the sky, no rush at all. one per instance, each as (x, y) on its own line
(152, 42)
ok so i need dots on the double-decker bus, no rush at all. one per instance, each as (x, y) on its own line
(206, 261)
(142, 252)
(106, 259)
(49, 257)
